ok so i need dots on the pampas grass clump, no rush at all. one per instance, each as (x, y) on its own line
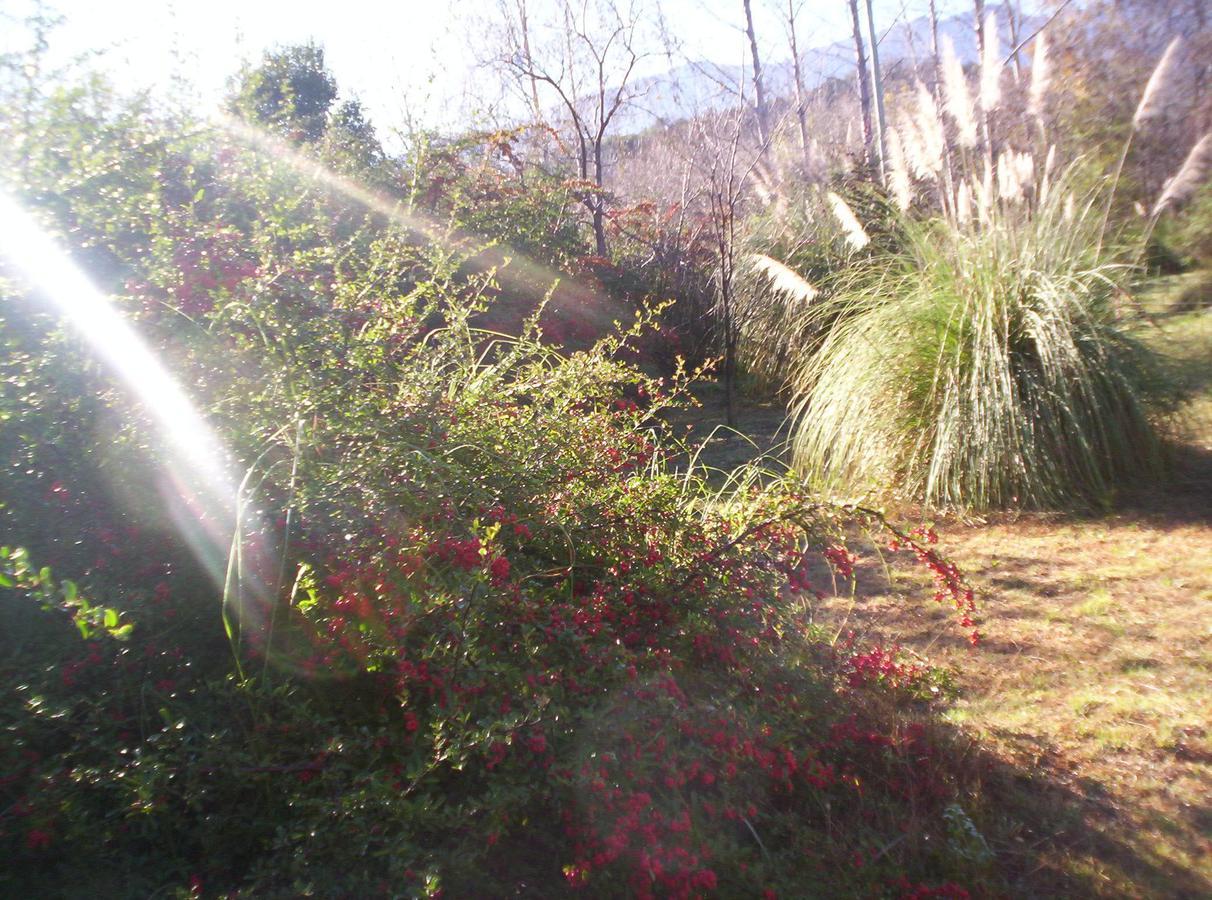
(981, 367)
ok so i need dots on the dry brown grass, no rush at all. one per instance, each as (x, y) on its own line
(1096, 677)
(1093, 692)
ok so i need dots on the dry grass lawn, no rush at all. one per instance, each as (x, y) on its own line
(1093, 691)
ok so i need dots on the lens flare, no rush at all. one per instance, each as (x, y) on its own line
(197, 481)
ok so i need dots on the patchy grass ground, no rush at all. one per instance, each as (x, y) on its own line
(1093, 692)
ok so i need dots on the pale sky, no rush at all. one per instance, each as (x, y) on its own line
(407, 55)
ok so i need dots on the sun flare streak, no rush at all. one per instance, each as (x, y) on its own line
(511, 268)
(198, 480)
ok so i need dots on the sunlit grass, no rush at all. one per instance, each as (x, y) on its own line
(984, 366)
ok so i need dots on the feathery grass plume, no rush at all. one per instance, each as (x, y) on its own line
(985, 192)
(920, 163)
(783, 279)
(1045, 178)
(788, 267)
(856, 237)
(1024, 170)
(963, 203)
(1153, 102)
(956, 96)
(1161, 84)
(930, 125)
(991, 66)
(1188, 178)
(1039, 77)
(898, 172)
(1009, 185)
(981, 368)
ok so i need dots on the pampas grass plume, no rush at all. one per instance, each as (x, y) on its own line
(957, 97)
(1190, 175)
(783, 279)
(1039, 77)
(1157, 91)
(898, 171)
(856, 237)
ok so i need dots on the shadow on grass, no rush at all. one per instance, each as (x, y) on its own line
(1056, 835)
(1050, 834)
(1183, 497)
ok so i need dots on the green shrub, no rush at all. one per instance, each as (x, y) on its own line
(479, 633)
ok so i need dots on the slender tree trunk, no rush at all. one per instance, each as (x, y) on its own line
(599, 222)
(1014, 20)
(877, 88)
(534, 82)
(860, 59)
(799, 83)
(759, 90)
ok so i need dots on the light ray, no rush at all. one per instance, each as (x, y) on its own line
(198, 482)
(512, 269)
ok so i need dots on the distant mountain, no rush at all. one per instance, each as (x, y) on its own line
(696, 87)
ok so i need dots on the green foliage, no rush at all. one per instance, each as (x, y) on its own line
(480, 182)
(485, 632)
(18, 574)
(291, 91)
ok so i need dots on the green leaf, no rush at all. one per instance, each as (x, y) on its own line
(5, 581)
(111, 618)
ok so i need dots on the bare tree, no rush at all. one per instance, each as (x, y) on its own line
(724, 187)
(727, 164)
(583, 59)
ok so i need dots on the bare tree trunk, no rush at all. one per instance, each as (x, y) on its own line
(759, 90)
(877, 88)
(860, 59)
(800, 99)
(1014, 19)
(599, 223)
(534, 82)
